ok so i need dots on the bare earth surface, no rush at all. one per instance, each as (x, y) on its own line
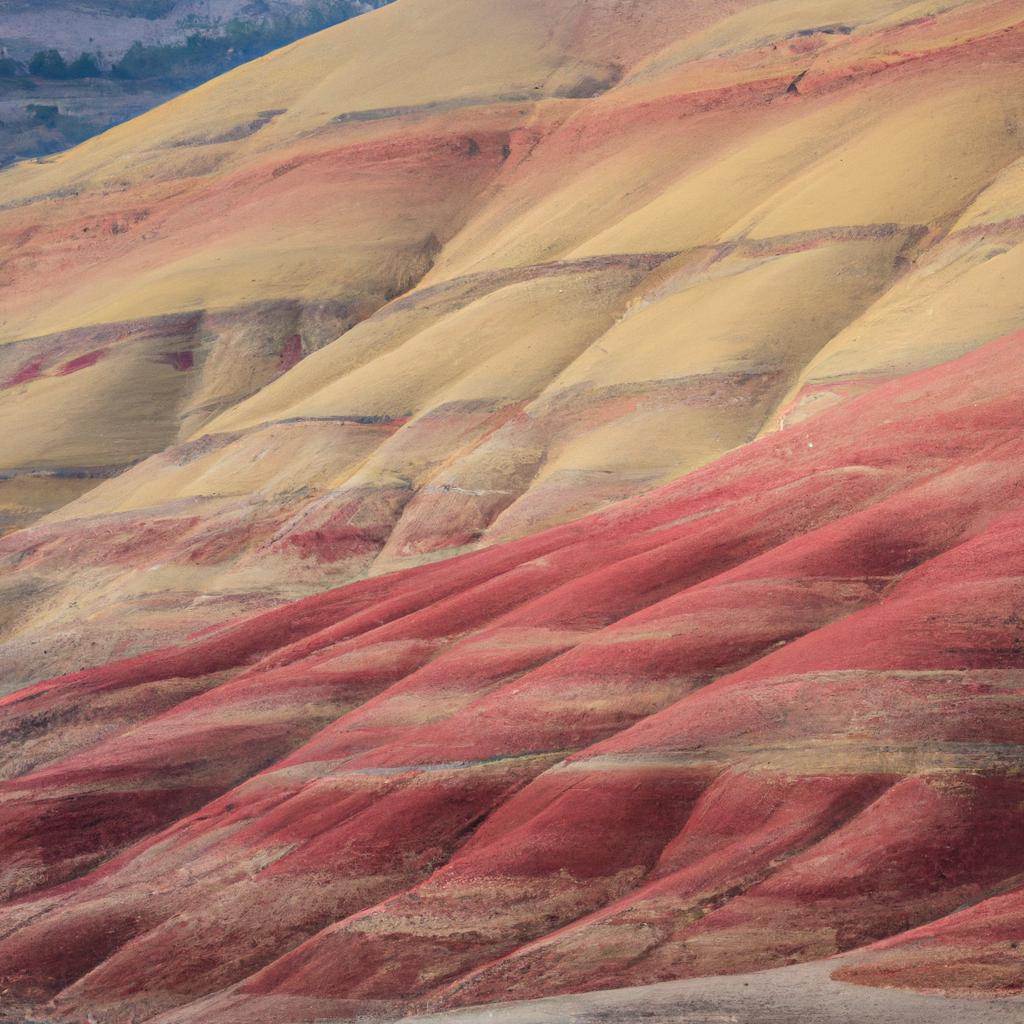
(511, 498)
(803, 994)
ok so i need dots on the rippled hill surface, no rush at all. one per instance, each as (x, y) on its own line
(507, 499)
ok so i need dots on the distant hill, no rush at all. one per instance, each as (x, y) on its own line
(69, 70)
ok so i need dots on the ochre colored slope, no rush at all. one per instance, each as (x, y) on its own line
(450, 274)
(767, 713)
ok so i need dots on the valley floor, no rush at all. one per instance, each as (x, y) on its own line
(802, 994)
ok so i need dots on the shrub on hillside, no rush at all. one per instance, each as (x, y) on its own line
(51, 64)
(142, 61)
(43, 113)
(85, 65)
(153, 9)
(48, 64)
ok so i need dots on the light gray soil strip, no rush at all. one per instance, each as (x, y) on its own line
(804, 994)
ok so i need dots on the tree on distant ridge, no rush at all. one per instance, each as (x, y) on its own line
(85, 65)
(48, 64)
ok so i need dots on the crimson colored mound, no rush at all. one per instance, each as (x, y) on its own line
(765, 714)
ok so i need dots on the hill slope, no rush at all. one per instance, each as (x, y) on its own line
(613, 288)
(768, 713)
(644, 377)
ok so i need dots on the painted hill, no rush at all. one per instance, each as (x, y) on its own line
(387, 295)
(765, 714)
(644, 377)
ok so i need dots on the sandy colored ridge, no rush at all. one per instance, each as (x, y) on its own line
(460, 281)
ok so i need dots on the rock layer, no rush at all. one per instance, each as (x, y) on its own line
(626, 238)
(558, 490)
(737, 723)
